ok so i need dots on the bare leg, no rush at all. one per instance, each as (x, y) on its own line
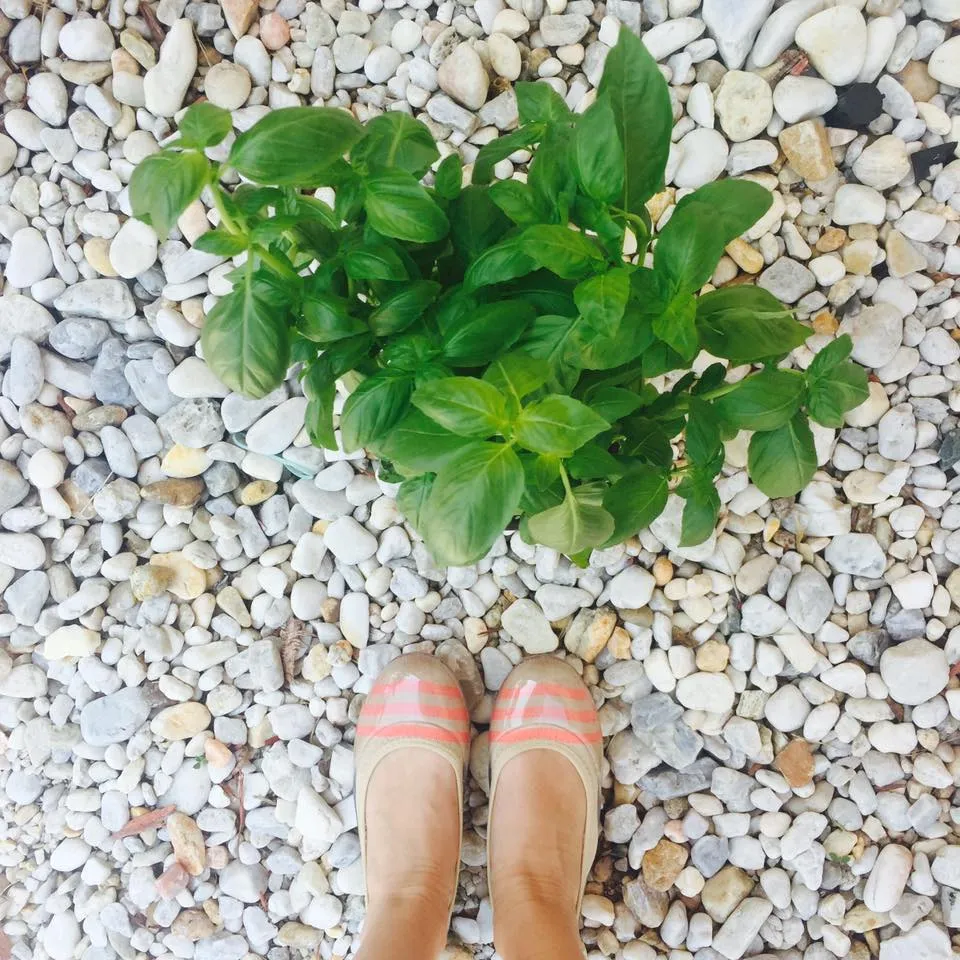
(413, 830)
(537, 831)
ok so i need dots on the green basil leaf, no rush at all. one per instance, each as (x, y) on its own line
(164, 184)
(646, 440)
(540, 102)
(703, 223)
(398, 206)
(565, 252)
(592, 462)
(830, 356)
(516, 375)
(635, 501)
(395, 141)
(614, 403)
(245, 337)
(403, 308)
(701, 509)
(221, 243)
(499, 263)
(557, 425)
(345, 355)
(419, 443)
(320, 391)
(746, 324)
(762, 401)
(412, 499)
(602, 300)
(572, 526)
(249, 199)
(782, 461)
(326, 318)
(598, 154)
(476, 223)
(490, 154)
(836, 385)
(486, 331)
(677, 326)
(203, 125)
(294, 146)
(703, 441)
(594, 215)
(474, 497)
(642, 116)
(554, 340)
(465, 405)
(448, 180)
(518, 201)
(374, 408)
(550, 174)
(375, 261)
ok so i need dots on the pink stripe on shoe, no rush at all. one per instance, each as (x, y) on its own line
(537, 689)
(531, 711)
(419, 731)
(413, 685)
(393, 710)
(552, 734)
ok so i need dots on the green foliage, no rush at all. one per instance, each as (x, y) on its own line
(505, 360)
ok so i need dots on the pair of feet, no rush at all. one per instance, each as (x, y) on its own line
(537, 823)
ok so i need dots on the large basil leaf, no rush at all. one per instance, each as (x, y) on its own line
(677, 326)
(763, 401)
(703, 223)
(782, 461)
(554, 339)
(203, 125)
(746, 324)
(571, 526)
(642, 116)
(465, 405)
(486, 331)
(375, 261)
(319, 386)
(551, 175)
(518, 201)
(516, 375)
(508, 259)
(395, 141)
(702, 436)
(413, 497)
(635, 501)
(557, 425)
(164, 184)
(419, 443)
(398, 206)
(613, 403)
(294, 146)
(245, 336)
(598, 153)
(326, 318)
(374, 408)
(701, 509)
(602, 300)
(475, 495)
(404, 308)
(221, 243)
(448, 181)
(565, 252)
(476, 223)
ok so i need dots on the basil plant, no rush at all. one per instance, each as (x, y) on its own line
(509, 363)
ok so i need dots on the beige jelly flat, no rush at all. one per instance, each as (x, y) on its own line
(415, 702)
(544, 705)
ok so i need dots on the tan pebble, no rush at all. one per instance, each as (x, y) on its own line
(96, 251)
(239, 15)
(724, 891)
(858, 257)
(662, 864)
(597, 634)
(833, 238)
(320, 526)
(210, 907)
(330, 610)
(193, 925)
(150, 580)
(257, 492)
(187, 581)
(138, 48)
(218, 754)
(181, 721)
(916, 78)
(619, 644)
(795, 762)
(807, 150)
(187, 842)
(745, 256)
(659, 203)
(217, 857)
(122, 62)
(96, 418)
(903, 258)
(673, 830)
(825, 323)
(178, 493)
(299, 936)
(713, 656)
(184, 462)
(231, 603)
(662, 571)
(624, 793)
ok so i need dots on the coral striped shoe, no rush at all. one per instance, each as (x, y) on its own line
(544, 705)
(416, 705)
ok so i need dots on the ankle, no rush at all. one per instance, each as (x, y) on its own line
(532, 918)
(415, 918)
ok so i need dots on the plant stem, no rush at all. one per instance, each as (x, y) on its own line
(284, 269)
(225, 217)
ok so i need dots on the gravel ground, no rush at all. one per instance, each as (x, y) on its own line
(195, 601)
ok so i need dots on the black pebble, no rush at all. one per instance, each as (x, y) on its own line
(857, 105)
(923, 160)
